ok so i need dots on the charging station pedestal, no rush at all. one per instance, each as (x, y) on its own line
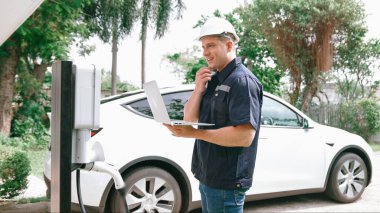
(61, 135)
(75, 111)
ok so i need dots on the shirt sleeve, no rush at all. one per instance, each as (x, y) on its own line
(245, 102)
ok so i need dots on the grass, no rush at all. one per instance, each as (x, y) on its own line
(36, 158)
(32, 200)
(375, 147)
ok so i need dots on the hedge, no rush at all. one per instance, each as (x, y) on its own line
(14, 171)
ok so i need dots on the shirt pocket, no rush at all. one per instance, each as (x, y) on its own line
(220, 108)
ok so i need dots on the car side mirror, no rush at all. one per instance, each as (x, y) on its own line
(305, 124)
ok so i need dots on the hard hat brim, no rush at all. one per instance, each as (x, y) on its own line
(235, 39)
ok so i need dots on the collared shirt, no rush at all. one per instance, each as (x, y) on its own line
(233, 97)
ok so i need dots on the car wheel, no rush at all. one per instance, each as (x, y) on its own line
(348, 179)
(149, 189)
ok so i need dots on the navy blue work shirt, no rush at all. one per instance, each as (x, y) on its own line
(233, 97)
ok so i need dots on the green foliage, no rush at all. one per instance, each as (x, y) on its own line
(48, 79)
(256, 51)
(375, 147)
(303, 34)
(36, 157)
(31, 122)
(33, 200)
(14, 170)
(120, 86)
(158, 13)
(7, 141)
(194, 67)
(45, 36)
(253, 50)
(110, 19)
(187, 62)
(355, 66)
(48, 33)
(360, 117)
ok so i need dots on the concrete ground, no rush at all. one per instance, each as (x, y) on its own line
(36, 188)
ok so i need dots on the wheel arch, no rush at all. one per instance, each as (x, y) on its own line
(350, 149)
(157, 161)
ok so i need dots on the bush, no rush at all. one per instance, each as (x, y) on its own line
(7, 141)
(29, 133)
(31, 122)
(14, 170)
(361, 117)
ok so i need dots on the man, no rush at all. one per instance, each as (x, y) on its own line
(224, 154)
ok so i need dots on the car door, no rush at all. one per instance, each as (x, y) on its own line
(290, 157)
(178, 150)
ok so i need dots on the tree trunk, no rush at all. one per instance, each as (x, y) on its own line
(323, 47)
(114, 65)
(143, 46)
(294, 95)
(8, 68)
(39, 71)
(296, 80)
(311, 87)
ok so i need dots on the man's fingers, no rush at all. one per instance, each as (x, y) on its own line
(171, 128)
(203, 71)
(204, 77)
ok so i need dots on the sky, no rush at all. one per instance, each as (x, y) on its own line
(180, 36)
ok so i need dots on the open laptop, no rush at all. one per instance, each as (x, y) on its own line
(157, 105)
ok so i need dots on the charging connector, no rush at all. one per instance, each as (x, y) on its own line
(103, 167)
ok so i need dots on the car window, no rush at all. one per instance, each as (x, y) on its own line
(275, 113)
(174, 103)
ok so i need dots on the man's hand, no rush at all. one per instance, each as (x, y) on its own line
(202, 76)
(230, 136)
(181, 131)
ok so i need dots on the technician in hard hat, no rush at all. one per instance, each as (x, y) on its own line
(224, 154)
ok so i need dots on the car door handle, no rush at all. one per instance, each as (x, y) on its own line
(262, 138)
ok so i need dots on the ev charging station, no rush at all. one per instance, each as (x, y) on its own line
(75, 112)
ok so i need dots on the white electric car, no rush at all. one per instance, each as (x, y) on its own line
(295, 156)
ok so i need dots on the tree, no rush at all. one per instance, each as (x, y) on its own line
(10, 54)
(302, 35)
(46, 35)
(120, 86)
(254, 51)
(187, 62)
(157, 12)
(354, 66)
(111, 20)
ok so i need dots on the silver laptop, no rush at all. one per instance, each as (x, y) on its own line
(157, 105)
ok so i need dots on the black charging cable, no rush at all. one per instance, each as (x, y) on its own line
(82, 209)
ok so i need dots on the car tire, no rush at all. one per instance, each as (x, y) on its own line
(348, 179)
(149, 189)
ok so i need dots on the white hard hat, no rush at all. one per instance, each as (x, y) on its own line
(218, 26)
